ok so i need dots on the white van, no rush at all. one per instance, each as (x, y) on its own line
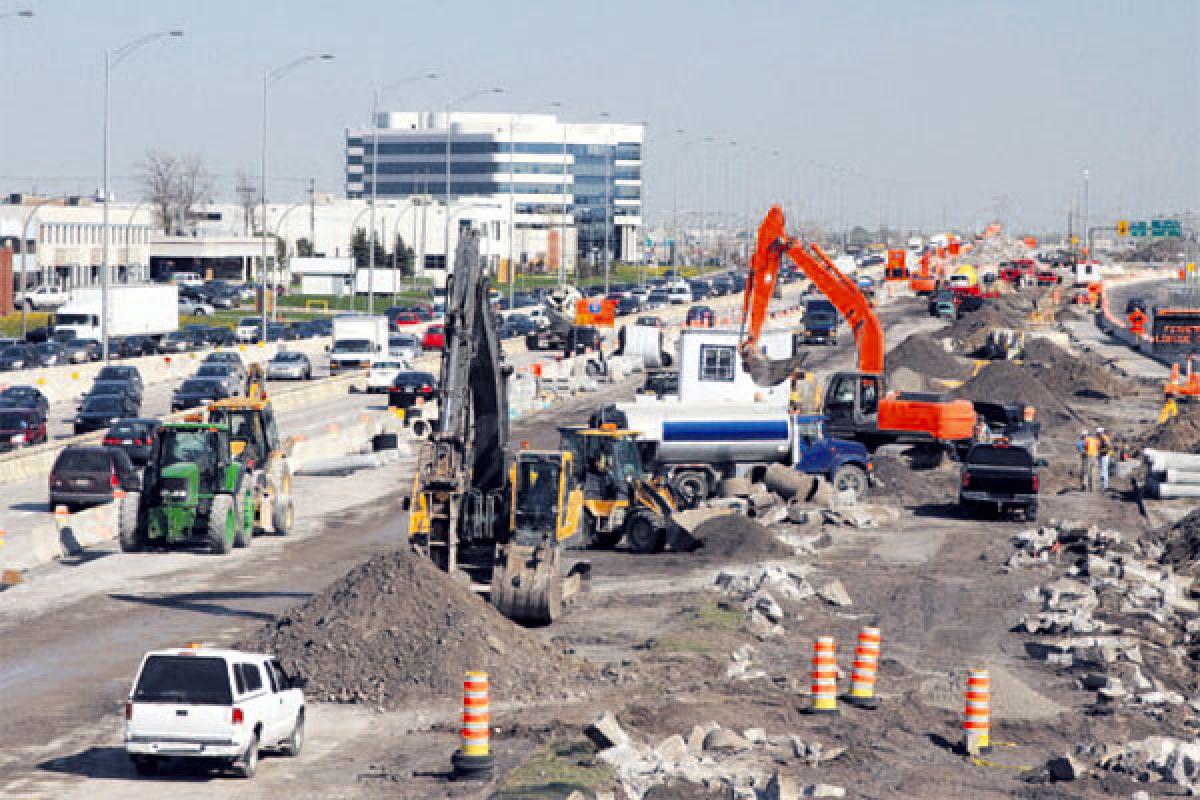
(188, 279)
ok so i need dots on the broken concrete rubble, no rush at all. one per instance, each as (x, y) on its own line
(835, 594)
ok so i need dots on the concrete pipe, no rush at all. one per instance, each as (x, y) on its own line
(786, 482)
(1182, 477)
(1161, 460)
(1165, 491)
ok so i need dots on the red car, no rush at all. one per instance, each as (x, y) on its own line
(1048, 277)
(405, 319)
(435, 338)
(21, 427)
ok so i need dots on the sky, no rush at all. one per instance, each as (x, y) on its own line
(911, 113)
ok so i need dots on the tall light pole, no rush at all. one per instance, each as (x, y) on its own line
(449, 139)
(562, 217)
(1084, 227)
(704, 207)
(608, 160)
(25, 12)
(270, 76)
(112, 58)
(378, 94)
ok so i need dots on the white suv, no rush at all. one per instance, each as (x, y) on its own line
(223, 705)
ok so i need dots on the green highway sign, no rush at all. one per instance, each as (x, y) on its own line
(1166, 228)
(1137, 229)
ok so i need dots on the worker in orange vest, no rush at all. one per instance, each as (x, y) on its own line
(1104, 446)
(1089, 450)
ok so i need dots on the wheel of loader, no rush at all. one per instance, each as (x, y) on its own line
(850, 479)
(646, 533)
(222, 524)
(129, 530)
(691, 487)
(283, 515)
(243, 528)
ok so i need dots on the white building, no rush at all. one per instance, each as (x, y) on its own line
(558, 176)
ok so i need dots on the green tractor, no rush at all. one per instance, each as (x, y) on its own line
(195, 492)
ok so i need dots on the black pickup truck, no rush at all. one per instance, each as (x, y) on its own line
(1007, 421)
(999, 477)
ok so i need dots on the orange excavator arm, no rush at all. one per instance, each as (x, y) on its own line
(839, 289)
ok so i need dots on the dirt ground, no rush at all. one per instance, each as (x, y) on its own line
(653, 643)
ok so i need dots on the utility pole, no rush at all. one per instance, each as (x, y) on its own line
(312, 215)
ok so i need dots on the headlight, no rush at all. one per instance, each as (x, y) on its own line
(18, 439)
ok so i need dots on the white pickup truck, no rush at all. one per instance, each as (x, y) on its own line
(43, 298)
(218, 705)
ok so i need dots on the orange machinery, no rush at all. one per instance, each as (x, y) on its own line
(924, 282)
(1185, 388)
(855, 404)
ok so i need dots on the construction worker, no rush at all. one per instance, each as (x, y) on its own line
(983, 434)
(1084, 445)
(1104, 447)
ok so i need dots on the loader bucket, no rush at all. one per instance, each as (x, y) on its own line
(528, 587)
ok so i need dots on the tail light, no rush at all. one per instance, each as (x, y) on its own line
(239, 717)
(1036, 483)
(128, 711)
(139, 442)
(113, 481)
(426, 390)
(111, 440)
(966, 480)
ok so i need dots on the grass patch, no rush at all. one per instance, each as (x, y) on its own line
(556, 770)
(10, 325)
(702, 627)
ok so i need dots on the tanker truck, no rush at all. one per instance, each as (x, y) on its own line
(721, 425)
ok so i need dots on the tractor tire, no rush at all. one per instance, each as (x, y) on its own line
(646, 533)
(850, 479)
(243, 534)
(129, 531)
(221, 525)
(283, 516)
(691, 487)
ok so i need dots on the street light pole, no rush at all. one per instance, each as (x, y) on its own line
(269, 77)
(25, 12)
(375, 180)
(608, 160)
(111, 59)
(562, 216)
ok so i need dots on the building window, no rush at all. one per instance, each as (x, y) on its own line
(716, 363)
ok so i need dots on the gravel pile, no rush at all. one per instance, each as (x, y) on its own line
(1181, 543)
(1006, 382)
(1180, 434)
(396, 629)
(736, 536)
(1070, 375)
(897, 481)
(926, 355)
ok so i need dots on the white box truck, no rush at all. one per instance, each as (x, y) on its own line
(133, 310)
(358, 339)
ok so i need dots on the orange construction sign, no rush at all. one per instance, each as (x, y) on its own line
(1137, 322)
(599, 313)
(896, 269)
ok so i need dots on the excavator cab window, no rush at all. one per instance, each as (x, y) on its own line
(868, 395)
(839, 402)
(271, 431)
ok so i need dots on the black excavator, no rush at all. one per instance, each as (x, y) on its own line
(501, 518)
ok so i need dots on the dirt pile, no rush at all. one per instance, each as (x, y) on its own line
(1070, 375)
(926, 355)
(396, 629)
(969, 332)
(1006, 382)
(735, 536)
(896, 480)
(1182, 544)
(1180, 433)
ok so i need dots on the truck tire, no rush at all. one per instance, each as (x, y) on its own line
(645, 532)
(691, 486)
(247, 765)
(221, 524)
(1031, 512)
(243, 534)
(849, 478)
(131, 537)
(283, 515)
(292, 745)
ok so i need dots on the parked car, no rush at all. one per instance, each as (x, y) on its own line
(308, 329)
(194, 308)
(279, 332)
(135, 436)
(218, 336)
(89, 475)
(408, 386)
(196, 392)
(21, 427)
(435, 338)
(50, 354)
(289, 365)
(18, 356)
(25, 397)
(248, 329)
(122, 372)
(177, 342)
(37, 335)
(81, 351)
(521, 323)
(229, 376)
(135, 346)
(43, 298)
(202, 703)
(101, 410)
(323, 326)
(405, 319)
(404, 345)
(658, 298)
(224, 298)
(628, 305)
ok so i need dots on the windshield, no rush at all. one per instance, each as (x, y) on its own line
(286, 357)
(250, 322)
(537, 493)
(188, 446)
(213, 370)
(198, 387)
(106, 402)
(75, 319)
(184, 679)
(414, 379)
(627, 459)
(352, 346)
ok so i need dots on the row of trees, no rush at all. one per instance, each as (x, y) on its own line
(174, 185)
(360, 246)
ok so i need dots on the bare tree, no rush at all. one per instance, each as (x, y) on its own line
(248, 194)
(158, 173)
(195, 187)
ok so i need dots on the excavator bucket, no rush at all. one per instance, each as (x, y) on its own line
(528, 587)
(767, 372)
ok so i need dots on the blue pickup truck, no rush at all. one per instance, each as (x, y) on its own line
(820, 321)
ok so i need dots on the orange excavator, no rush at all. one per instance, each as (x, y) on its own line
(855, 404)
(1184, 388)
